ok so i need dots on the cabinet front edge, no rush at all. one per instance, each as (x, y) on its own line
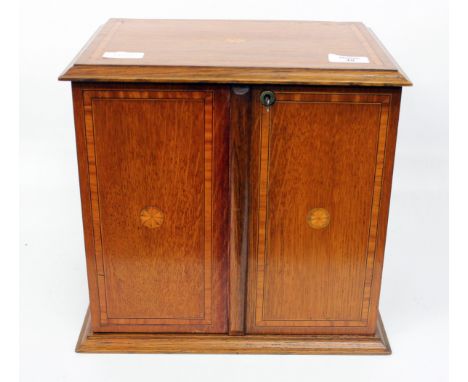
(284, 76)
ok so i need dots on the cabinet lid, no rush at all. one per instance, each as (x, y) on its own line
(226, 51)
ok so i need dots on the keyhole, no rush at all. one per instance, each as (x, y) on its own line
(267, 98)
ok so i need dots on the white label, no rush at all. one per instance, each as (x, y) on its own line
(135, 55)
(348, 59)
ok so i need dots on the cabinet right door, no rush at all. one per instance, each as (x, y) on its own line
(320, 182)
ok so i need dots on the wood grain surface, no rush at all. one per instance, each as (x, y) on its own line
(90, 342)
(319, 148)
(240, 132)
(242, 51)
(168, 149)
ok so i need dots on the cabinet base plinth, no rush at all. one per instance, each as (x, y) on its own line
(90, 342)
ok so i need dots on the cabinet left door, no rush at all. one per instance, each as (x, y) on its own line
(153, 163)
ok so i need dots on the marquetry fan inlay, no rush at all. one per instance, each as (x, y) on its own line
(318, 218)
(151, 217)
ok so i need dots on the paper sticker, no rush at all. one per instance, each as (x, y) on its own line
(123, 55)
(347, 59)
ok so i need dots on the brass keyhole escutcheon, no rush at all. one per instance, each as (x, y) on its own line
(318, 218)
(151, 217)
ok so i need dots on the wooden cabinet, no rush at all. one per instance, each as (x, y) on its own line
(235, 199)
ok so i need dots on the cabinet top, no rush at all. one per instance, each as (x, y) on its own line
(244, 52)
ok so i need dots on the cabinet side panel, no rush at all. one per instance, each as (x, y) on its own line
(374, 286)
(85, 194)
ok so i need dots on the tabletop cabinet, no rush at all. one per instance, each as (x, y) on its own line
(234, 208)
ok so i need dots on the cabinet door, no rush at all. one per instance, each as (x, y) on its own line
(320, 186)
(153, 169)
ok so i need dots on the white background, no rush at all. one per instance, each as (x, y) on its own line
(53, 279)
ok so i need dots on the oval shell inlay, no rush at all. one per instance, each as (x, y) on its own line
(318, 218)
(151, 217)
